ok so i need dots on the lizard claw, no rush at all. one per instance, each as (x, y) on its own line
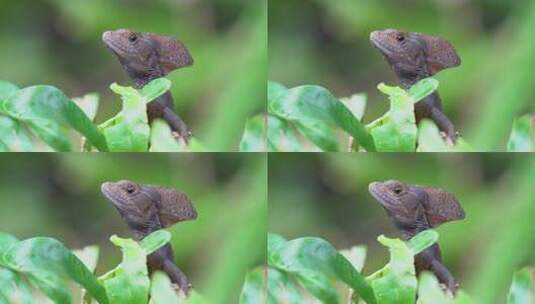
(450, 139)
(180, 138)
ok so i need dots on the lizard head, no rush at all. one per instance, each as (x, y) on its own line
(148, 207)
(412, 206)
(401, 203)
(145, 54)
(414, 56)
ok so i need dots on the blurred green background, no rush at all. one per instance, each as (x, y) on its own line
(58, 42)
(59, 196)
(326, 195)
(326, 42)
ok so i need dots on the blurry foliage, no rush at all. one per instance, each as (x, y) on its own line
(48, 266)
(522, 138)
(333, 276)
(59, 196)
(59, 43)
(326, 42)
(319, 117)
(329, 192)
(47, 113)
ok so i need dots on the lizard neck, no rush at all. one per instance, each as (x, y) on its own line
(408, 82)
(141, 233)
(140, 82)
(409, 231)
(409, 234)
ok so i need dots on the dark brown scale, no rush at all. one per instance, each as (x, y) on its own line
(147, 209)
(413, 57)
(145, 57)
(414, 209)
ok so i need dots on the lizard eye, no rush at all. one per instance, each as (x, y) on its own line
(400, 37)
(130, 188)
(132, 37)
(397, 190)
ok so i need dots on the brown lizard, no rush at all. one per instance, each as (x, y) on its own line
(413, 57)
(145, 57)
(414, 209)
(147, 209)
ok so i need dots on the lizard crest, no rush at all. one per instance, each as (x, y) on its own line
(147, 55)
(415, 56)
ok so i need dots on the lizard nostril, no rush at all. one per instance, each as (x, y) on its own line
(106, 35)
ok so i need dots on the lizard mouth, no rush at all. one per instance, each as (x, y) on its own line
(376, 38)
(108, 190)
(380, 193)
(111, 43)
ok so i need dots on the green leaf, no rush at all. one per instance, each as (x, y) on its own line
(316, 113)
(48, 264)
(322, 135)
(319, 285)
(155, 89)
(429, 139)
(6, 90)
(281, 289)
(161, 290)
(274, 90)
(89, 104)
(429, 291)
(129, 282)
(89, 256)
(356, 255)
(134, 106)
(13, 136)
(161, 138)
(356, 104)
(129, 130)
(462, 298)
(6, 242)
(397, 283)
(254, 288)
(303, 255)
(124, 137)
(254, 136)
(195, 146)
(281, 137)
(155, 241)
(274, 243)
(423, 88)
(396, 130)
(523, 135)
(13, 289)
(422, 241)
(50, 114)
(523, 287)
(195, 298)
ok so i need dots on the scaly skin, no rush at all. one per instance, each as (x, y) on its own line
(414, 209)
(147, 209)
(413, 57)
(145, 57)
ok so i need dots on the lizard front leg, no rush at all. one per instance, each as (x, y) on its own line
(444, 124)
(176, 275)
(163, 260)
(177, 124)
(443, 275)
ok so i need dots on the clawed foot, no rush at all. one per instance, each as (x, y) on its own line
(449, 138)
(180, 138)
